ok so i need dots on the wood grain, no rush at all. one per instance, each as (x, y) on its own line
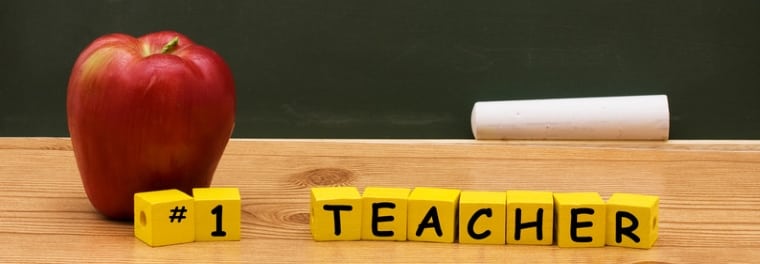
(709, 191)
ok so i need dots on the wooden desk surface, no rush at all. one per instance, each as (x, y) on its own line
(709, 191)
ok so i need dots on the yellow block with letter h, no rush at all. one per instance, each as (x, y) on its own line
(530, 218)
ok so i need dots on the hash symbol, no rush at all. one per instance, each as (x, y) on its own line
(178, 214)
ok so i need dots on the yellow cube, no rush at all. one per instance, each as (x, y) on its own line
(530, 217)
(217, 214)
(482, 217)
(164, 217)
(384, 213)
(432, 214)
(632, 220)
(580, 219)
(336, 213)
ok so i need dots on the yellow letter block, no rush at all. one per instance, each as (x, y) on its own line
(580, 219)
(432, 214)
(482, 217)
(164, 217)
(336, 213)
(217, 214)
(632, 220)
(530, 217)
(384, 213)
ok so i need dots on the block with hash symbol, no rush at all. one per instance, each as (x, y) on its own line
(164, 217)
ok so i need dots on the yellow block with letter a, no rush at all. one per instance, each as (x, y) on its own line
(432, 214)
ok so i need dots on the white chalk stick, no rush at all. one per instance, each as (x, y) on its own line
(596, 118)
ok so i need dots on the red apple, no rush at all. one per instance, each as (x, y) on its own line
(147, 113)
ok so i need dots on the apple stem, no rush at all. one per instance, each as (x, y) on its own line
(171, 46)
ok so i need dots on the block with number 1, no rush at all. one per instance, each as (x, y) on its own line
(164, 217)
(217, 214)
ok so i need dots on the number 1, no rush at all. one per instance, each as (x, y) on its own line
(218, 212)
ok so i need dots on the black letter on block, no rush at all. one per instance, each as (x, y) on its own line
(574, 224)
(430, 220)
(471, 224)
(336, 214)
(376, 219)
(538, 224)
(628, 231)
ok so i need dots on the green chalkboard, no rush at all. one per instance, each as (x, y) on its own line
(408, 69)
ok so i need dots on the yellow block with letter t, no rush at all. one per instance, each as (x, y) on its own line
(336, 213)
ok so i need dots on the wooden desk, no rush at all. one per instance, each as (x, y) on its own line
(709, 191)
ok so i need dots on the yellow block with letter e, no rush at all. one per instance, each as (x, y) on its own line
(580, 219)
(384, 213)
